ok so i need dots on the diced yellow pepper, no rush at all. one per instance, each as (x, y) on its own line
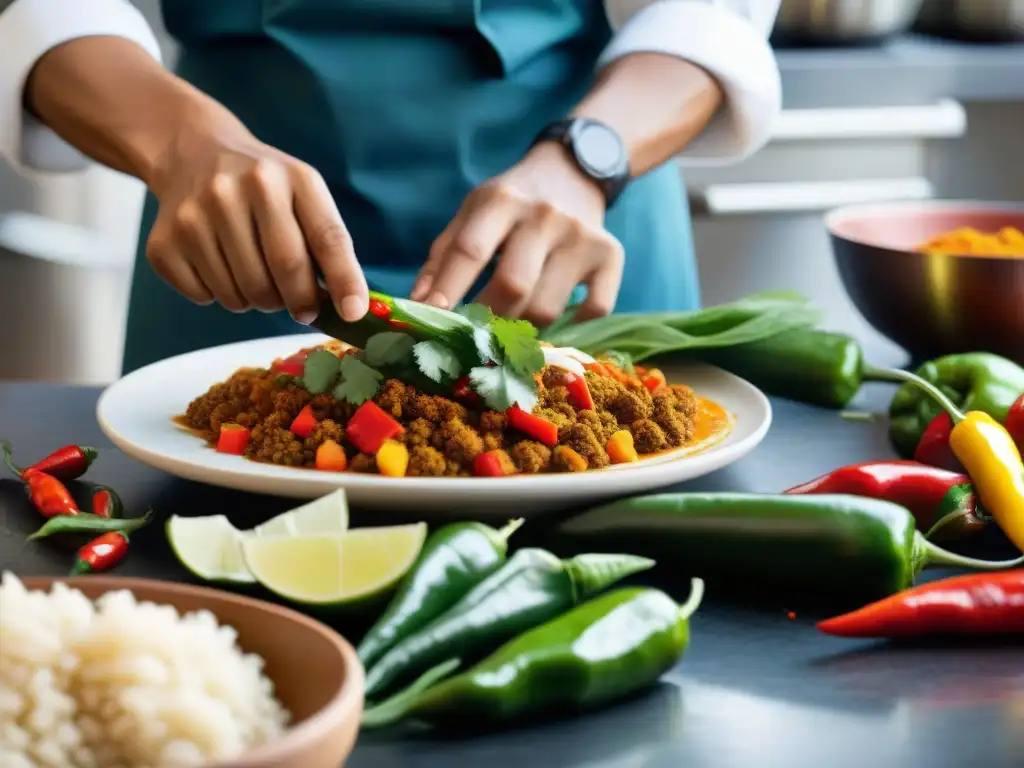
(392, 459)
(620, 447)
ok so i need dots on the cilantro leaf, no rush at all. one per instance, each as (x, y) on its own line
(320, 371)
(359, 382)
(436, 361)
(502, 387)
(387, 348)
(481, 317)
(518, 341)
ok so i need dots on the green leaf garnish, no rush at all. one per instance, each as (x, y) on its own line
(481, 317)
(502, 387)
(518, 341)
(359, 382)
(387, 348)
(436, 361)
(320, 371)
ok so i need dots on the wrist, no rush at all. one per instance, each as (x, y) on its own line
(553, 157)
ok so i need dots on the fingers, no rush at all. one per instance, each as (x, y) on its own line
(603, 283)
(177, 272)
(330, 244)
(519, 268)
(281, 240)
(458, 257)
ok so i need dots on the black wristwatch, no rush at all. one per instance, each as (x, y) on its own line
(596, 149)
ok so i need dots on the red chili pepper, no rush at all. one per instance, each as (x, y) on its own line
(48, 494)
(496, 463)
(234, 438)
(462, 390)
(579, 393)
(541, 430)
(939, 500)
(976, 604)
(398, 325)
(303, 424)
(933, 448)
(1015, 422)
(106, 503)
(380, 309)
(65, 463)
(370, 426)
(101, 554)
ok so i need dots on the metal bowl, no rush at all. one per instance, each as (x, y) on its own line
(842, 21)
(982, 20)
(931, 305)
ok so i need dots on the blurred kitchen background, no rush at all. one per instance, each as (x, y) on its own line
(884, 100)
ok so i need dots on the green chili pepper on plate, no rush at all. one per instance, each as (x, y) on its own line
(454, 559)
(534, 586)
(976, 381)
(599, 652)
(838, 549)
(86, 523)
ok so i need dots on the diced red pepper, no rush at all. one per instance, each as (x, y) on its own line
(541, 430)
(579, 392)
(233, 439)
(654, 380)
(462, 391)
(1015, 422)
(292, 366)
(370, 426)
(934, 449)
(496, 463)
(304, 423)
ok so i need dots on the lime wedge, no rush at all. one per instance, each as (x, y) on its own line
(328, 514)
(210, 547)
(334, 568)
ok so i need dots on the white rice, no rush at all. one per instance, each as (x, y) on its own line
(124, 684)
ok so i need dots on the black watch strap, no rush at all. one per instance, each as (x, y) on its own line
(596, 149)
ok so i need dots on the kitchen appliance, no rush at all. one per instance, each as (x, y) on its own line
(823, 22)
(980, 20)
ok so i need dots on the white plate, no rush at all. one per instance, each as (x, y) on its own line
(136, 414)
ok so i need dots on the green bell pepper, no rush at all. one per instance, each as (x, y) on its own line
(976, 381)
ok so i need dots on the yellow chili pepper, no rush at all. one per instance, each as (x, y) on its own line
(990, 456)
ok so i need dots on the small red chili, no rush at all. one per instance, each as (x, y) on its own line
(101, 554)
(48, 494)
(933, 448)
(380, 309)
(1015, 422)
(106, 503)
(462, 390)
(398, 325)
(65, 463)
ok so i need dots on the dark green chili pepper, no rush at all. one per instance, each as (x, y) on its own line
(606, 649)
(534, 586)
(836, 549)
(454, 559)
(86, 523)
(802, 364)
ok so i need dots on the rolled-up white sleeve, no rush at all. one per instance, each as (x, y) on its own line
(729, 39)
(30, 28)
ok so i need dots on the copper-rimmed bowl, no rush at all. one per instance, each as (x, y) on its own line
(316, 673)
(931, 305)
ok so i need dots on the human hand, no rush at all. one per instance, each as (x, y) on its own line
(239, 222)
(547, 219)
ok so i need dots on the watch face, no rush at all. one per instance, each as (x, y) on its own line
(599, 148)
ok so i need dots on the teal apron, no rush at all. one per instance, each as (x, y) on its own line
(404, 106)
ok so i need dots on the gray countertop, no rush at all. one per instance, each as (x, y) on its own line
(908, 70)
(758, 688)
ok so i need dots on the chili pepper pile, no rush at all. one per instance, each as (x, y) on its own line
(45, 484)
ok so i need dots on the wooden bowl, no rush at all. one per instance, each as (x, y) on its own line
(931, 305)
(316, 673)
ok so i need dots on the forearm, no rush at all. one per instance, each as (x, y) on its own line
(655, 102)
(111, 100)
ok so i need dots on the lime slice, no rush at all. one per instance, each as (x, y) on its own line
(334, 568)
(210, 547)
(328, 514)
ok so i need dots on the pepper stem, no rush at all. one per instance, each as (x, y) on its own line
(687, 609)
(395, 708)
(906, 377)
(862, 417)
(5, 449)
(927, 553)
(511, 527)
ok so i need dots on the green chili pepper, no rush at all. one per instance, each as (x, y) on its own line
(86, 523)
(454, 559)
(832, 549)
(803, 364)
(977, 381)
(534, 586)
(604, 650)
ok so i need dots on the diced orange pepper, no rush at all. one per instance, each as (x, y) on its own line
(541, 430)
(597, 368)
(620, 447)
(233, 439)
(570, 459)
(496, 463)
(330, 457)
(304, 424)
(655, 380)
(392, 458)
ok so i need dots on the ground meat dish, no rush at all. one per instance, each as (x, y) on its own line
(443, 436)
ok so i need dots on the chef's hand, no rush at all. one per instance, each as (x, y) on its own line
(241, 223)
(547, 220)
